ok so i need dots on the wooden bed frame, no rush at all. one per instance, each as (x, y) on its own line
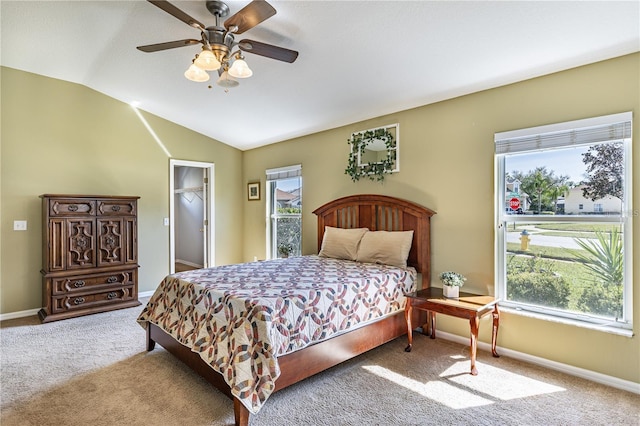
(376, 212)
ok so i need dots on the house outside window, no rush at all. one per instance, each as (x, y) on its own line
(284, 212)
(568, 254)
(513, 194)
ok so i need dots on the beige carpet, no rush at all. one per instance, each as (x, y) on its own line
(94, 370)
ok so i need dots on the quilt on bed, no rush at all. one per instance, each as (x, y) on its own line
(239, 318)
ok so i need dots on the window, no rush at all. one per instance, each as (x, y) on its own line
(284, 212)
(568, 251)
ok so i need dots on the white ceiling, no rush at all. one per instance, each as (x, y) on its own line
(358, 59)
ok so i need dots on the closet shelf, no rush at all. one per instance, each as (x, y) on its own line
(195, 190)
(192, 189)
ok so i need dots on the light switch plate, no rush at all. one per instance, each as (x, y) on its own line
(166, 221)
(19, 225)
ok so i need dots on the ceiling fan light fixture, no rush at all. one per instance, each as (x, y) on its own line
(206, 60)
(240, 69)
(196, 74)
(226, 81)
(218, 41)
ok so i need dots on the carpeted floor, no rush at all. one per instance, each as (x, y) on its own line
(94, 370)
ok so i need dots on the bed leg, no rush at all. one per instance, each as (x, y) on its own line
(241, 413)
(151, 344)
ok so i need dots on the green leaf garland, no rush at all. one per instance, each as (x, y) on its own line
(373, 171)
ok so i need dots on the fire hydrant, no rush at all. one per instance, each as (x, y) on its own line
(524, 240)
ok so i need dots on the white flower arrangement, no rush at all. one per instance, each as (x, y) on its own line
(453, 279)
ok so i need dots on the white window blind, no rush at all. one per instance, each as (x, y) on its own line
(284, 172)
(580, 132)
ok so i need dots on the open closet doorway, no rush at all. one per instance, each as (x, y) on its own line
(191, 206)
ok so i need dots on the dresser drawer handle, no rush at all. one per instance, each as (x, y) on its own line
(115, 208)
(112, 295)
(72, 208)
(112, 279)
(79, 283)
(78, 300)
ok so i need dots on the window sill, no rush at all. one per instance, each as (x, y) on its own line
(606, 328)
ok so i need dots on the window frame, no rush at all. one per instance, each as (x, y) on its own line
(502, 218)
(273, 176)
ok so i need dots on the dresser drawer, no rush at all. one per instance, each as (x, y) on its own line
(72, 207)
(116, 207)
(92, 282)
(73, 302)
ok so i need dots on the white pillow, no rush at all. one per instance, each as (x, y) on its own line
(341, 243)
(386, 247)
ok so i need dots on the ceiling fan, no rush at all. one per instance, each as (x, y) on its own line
(218, 41)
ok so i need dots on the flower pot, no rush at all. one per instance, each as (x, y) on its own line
(451, 291)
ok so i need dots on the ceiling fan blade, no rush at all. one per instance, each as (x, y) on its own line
(268, 50)
(250, 16)
(168, 45)
(172, 10)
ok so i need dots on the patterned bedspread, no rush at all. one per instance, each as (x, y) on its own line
(240, 318)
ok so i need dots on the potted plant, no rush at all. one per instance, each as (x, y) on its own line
(285, 249)
(452, 281)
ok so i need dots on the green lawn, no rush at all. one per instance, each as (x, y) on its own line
(579, 227)
(576, 273)
(562, 261)
(573, 230)
(556, 253)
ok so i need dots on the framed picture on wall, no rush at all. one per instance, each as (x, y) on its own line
(253, 191)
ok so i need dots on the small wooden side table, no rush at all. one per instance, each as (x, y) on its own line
(468, 305)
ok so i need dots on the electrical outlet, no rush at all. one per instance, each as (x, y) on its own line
(166, 221)
(19, 225)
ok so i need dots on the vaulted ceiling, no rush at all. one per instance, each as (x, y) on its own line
(358, 59)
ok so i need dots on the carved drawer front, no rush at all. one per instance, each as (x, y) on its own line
(116, 207)
(93, 282)
(72, 207)
(111, 239)
(80, 243)
(71, 302)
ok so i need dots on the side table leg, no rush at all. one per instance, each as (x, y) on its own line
(407, 316)
(431, 319)
(494, 333)
(474, 322)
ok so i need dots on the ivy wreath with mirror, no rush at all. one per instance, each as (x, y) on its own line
(374, 171)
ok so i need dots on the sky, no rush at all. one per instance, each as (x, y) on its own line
(288, 185)
(561, 161)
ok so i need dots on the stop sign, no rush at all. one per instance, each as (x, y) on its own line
(514, 203)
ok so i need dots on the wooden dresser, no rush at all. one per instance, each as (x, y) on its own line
(89, 255)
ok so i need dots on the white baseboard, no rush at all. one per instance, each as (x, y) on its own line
(186, 262)
(614, 382)
(20, 314)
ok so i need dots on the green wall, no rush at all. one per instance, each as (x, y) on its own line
(447, 164)
(63, 138)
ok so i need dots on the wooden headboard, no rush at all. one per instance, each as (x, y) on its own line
(383, 213)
